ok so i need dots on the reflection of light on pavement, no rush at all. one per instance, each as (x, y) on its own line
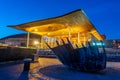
(52, 69)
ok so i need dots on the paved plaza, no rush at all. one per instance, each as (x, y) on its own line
(52, 69)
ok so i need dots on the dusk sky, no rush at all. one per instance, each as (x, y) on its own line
(104, 14)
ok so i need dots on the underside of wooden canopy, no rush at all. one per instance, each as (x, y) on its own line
(72, 23)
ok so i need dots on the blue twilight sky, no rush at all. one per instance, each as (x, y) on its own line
(104, 14)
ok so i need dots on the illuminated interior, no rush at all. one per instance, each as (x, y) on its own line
(74, 25)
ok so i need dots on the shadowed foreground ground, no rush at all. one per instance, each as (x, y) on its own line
(52, 69)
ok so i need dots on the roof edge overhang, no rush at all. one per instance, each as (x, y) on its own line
(97, 34)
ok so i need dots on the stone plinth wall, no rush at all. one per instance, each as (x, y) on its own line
(15, 53)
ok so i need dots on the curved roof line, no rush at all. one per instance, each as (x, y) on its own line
(46, 18)
(74, 18)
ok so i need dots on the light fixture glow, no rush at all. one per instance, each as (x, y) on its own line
(36, 42)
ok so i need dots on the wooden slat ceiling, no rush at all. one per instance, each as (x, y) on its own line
(74, 22)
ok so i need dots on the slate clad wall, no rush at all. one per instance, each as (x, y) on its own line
(13, 53)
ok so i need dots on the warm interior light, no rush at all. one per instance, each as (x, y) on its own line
(48, 33)
(98, 43)
(36, 30)
(36, 42)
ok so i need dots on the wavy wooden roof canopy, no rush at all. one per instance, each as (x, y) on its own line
(74, 22)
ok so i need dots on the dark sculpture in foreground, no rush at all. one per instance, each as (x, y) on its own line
(88, 59)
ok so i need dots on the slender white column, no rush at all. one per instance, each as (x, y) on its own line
(78, 37)
(41, 42)
(28, 38)
(69, 32)
(84, 39)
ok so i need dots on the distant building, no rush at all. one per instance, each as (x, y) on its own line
(112, 43)
(20, 40)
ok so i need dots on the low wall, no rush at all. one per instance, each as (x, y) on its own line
(113, 54)
(15, 53)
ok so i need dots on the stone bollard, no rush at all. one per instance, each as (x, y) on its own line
(27, 62)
